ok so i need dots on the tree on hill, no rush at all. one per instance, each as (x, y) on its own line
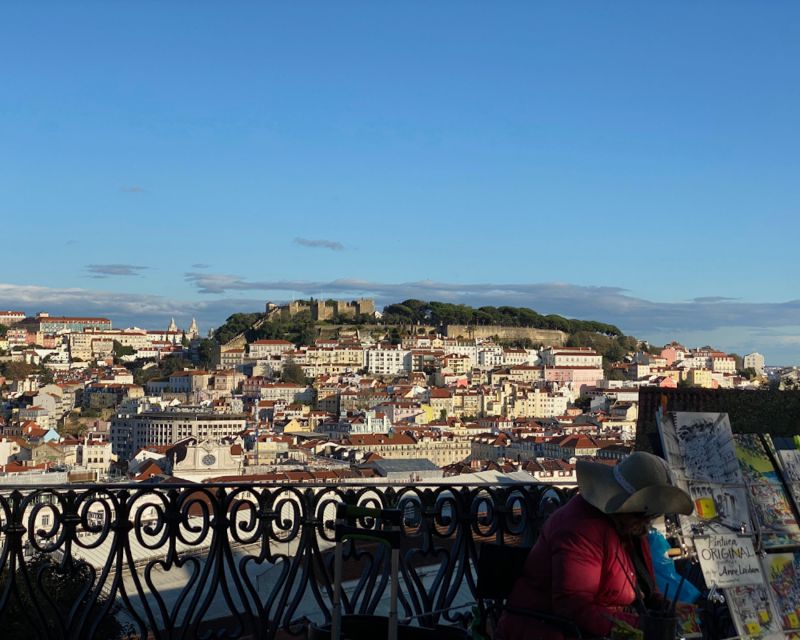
(293, 372)
(143, 372)
(120, 350)
(750, 373)
(16, 370)
(652, 349)
(45, 375)
(205, 353)
(236, 324)
(613, 349)
(301, 329)
(442, 313)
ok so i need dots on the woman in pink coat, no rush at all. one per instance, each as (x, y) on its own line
(591, 564)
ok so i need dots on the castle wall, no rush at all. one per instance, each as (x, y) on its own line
(543, 336)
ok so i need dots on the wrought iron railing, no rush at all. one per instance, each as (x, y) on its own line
(239, 560)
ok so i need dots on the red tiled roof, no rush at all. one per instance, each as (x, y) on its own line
(372, 439)
(148, 470)
(16, 467)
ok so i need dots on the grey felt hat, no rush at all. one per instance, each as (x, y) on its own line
(640, 483)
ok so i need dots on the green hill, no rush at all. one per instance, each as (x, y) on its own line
(398, 318)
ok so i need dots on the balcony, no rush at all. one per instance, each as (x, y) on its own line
(180, 560)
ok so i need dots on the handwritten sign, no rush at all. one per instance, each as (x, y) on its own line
(728, 560)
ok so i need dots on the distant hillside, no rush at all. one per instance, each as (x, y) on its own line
(444, 313)
(417, 312)
(605, 338)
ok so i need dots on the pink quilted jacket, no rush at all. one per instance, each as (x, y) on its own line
(579, 569)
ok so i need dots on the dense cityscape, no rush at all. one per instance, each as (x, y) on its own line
(339, 392)
(409, 320)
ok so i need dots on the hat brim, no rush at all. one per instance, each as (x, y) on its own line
(599, 488)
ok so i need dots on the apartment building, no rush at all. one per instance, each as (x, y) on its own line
(571, 357)
(700, 378)
(349, 357)
(96, 455)
(131, 432)
(189, 381)
(388, 361)
(754, 361)
(723, 364)
(441, 451)
(466, 348)
(266, 349)
(287, 392)
(44, 323)
(9, 318)
(539, 404)
(93, 343)
(579, 378)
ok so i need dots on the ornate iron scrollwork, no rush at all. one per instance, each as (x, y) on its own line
(225, 561)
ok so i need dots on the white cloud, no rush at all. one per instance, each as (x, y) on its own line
(333, 245)
(105, 270)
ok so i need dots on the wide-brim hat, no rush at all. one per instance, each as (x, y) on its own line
(640, 483)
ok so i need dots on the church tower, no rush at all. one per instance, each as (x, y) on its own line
(172, 326)
(193, 331)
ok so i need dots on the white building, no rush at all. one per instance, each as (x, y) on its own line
(129, 433)
(371, 422)
(388, 361)
(571, 357)
(266, 349)
(203, 460)
(490, 357)
(8, 318)
(723, 364)
(13, 450)
(288, 393)
(454, 346)
(754, 361)
(96, 455)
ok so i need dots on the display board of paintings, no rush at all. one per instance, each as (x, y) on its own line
(743, 484)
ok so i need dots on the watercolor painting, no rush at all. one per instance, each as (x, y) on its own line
(753, 612)
(787, 452)
(705, 449)
(717, 509)
(770, 507)
(783, 576)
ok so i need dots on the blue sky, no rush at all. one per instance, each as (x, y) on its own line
(630, 162)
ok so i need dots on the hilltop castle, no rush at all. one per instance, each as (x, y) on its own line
(322, 309)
